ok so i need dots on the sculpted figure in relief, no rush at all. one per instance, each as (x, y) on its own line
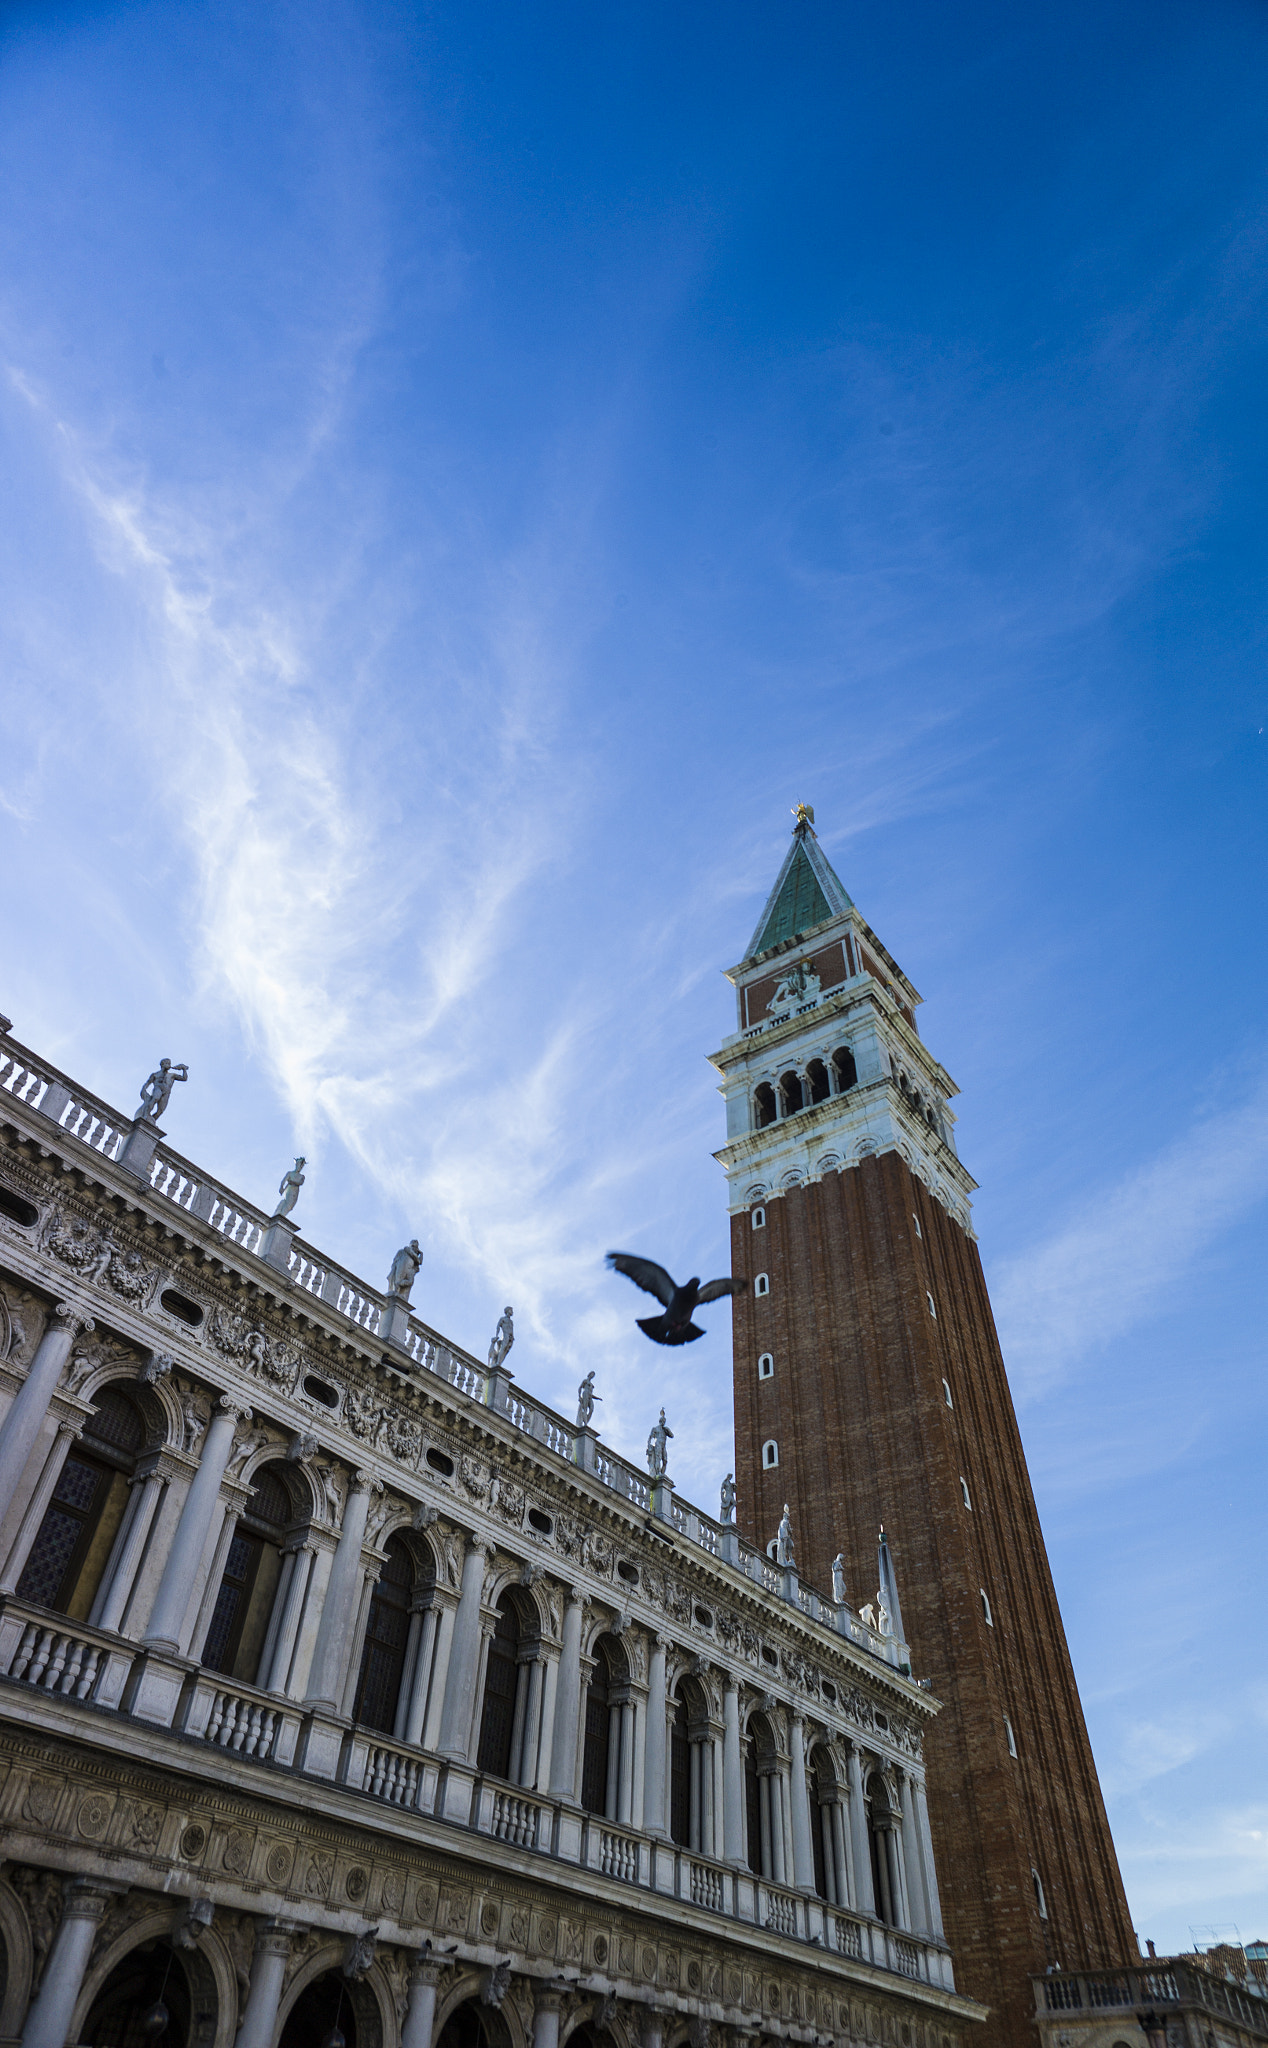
(156, 1092)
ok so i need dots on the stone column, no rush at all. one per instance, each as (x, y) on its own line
(841, 1855)
(926, 1858)
(275, 1664)
(21, 1425)
(323, 1547)
(325, 1683)
(531, 1735)
(48, 2021)
(409, 1725)
(167, 1624)
(563, 1759)
(28, 1528)
(352, 1669)
(119, 1576)
(464, 1657)
(732, 1774)
(420, 2017)
(546, 1739)
(803, 1851)
(654, 1750)
(268, 1968)
(917, 1909)
(439, 1673)
(547, 2000)
(211, 1585)
(864, 1896)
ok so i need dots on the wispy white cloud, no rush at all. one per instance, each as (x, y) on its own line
(1118, 1261)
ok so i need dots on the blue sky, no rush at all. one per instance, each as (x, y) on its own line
(467, 472)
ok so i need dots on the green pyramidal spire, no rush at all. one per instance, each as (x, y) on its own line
(806, 892)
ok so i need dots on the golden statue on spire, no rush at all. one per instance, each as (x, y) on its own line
(804, 814)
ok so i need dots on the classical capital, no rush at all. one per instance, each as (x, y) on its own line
(550, 1997)
(72, 1318)
(229, 1404)
(86, 1898)
(483, 1546)
(274, 1937)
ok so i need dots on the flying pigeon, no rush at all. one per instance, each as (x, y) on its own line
(675, 1326)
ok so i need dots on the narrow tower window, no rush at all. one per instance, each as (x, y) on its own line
(986, 1608)
(932, 1310)
(766, 1367)
(770, 1453)
(946, 1390)
(759, 1219)
(916, 1220)
(1040, 1900)
(762, 1284)
(764, 1110)
(1012, 1739)
(844, 1071)
(964, 1489)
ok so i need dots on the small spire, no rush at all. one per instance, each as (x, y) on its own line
(805, 816)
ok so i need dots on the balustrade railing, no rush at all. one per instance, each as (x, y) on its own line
(618, 1855)
(515, 1820)
(708, 1887)
(241, 1724)
(848, 1936)
(392, 1775)
(56, 1661)
(175, 1180)
(781, 1911)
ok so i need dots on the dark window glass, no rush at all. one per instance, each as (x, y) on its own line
(115, 1421)
(753, 1811)
(48, 1576)
(817, 1813)
(229, 1612)
(383, 1658)
(498, 1714)
(679, 1777)
(270, 1501)
(594, 1762)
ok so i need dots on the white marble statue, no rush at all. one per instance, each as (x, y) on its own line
(586, 1398)
(785, 1547)
(503, 1338)
(405, 1270)
(658, 1447)
(728, 1498)
(289, 1188)
(157, 1091)
(838, 1579)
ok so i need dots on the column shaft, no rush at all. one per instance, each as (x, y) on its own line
(439, 1680)
(21, 1425)
(325, 1683)
(268, 1969)
(732, 1775)
(119, 1576)
(420, 2018)
(864, 1897)
(211, 1585)
(29, 1526)
(168, 1624)
(464, 1660)
(48, 2020)
(563, 1757)
(654, 1752)
(414, 1705)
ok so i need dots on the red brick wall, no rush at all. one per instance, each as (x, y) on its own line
(865, 1436)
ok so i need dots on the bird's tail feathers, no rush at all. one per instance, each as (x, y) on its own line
(662, 1331)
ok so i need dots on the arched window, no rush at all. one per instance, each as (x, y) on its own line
(239, 1620)
(501, 1678)
(759, 1218)
(144, 1976)
(765, 1109)
(679, 1776)
(766, 1366)
(387, 1633)
(790, 1096)
(762, 1284)
(932, 1306)
(325, 2009)
(946, 1393)
(987, 1616)
(844, 1071)
(66, 1561)
(770, 1454)
(881, 1829)
(765, 1824)
(817, 1078)
(598, 1737)
(964, 1493)
(1040, 1900)
(470, 2026)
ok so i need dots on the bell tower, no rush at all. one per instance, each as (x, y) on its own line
(870, 1389)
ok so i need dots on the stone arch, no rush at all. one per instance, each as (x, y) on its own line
(208, 1971)
(502, 2024)
(531, 1610)
(20, 1960)
(301, 1482)
(370, 1997)
(587, 2031)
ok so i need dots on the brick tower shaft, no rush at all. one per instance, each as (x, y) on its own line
(870, 1389)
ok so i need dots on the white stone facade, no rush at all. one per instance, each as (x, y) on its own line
(330, 1661)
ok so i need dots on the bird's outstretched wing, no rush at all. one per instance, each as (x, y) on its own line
(713, 1290)
(645, 1273)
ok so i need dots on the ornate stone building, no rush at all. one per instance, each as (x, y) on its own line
(347, 1691)
(869, 1387)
